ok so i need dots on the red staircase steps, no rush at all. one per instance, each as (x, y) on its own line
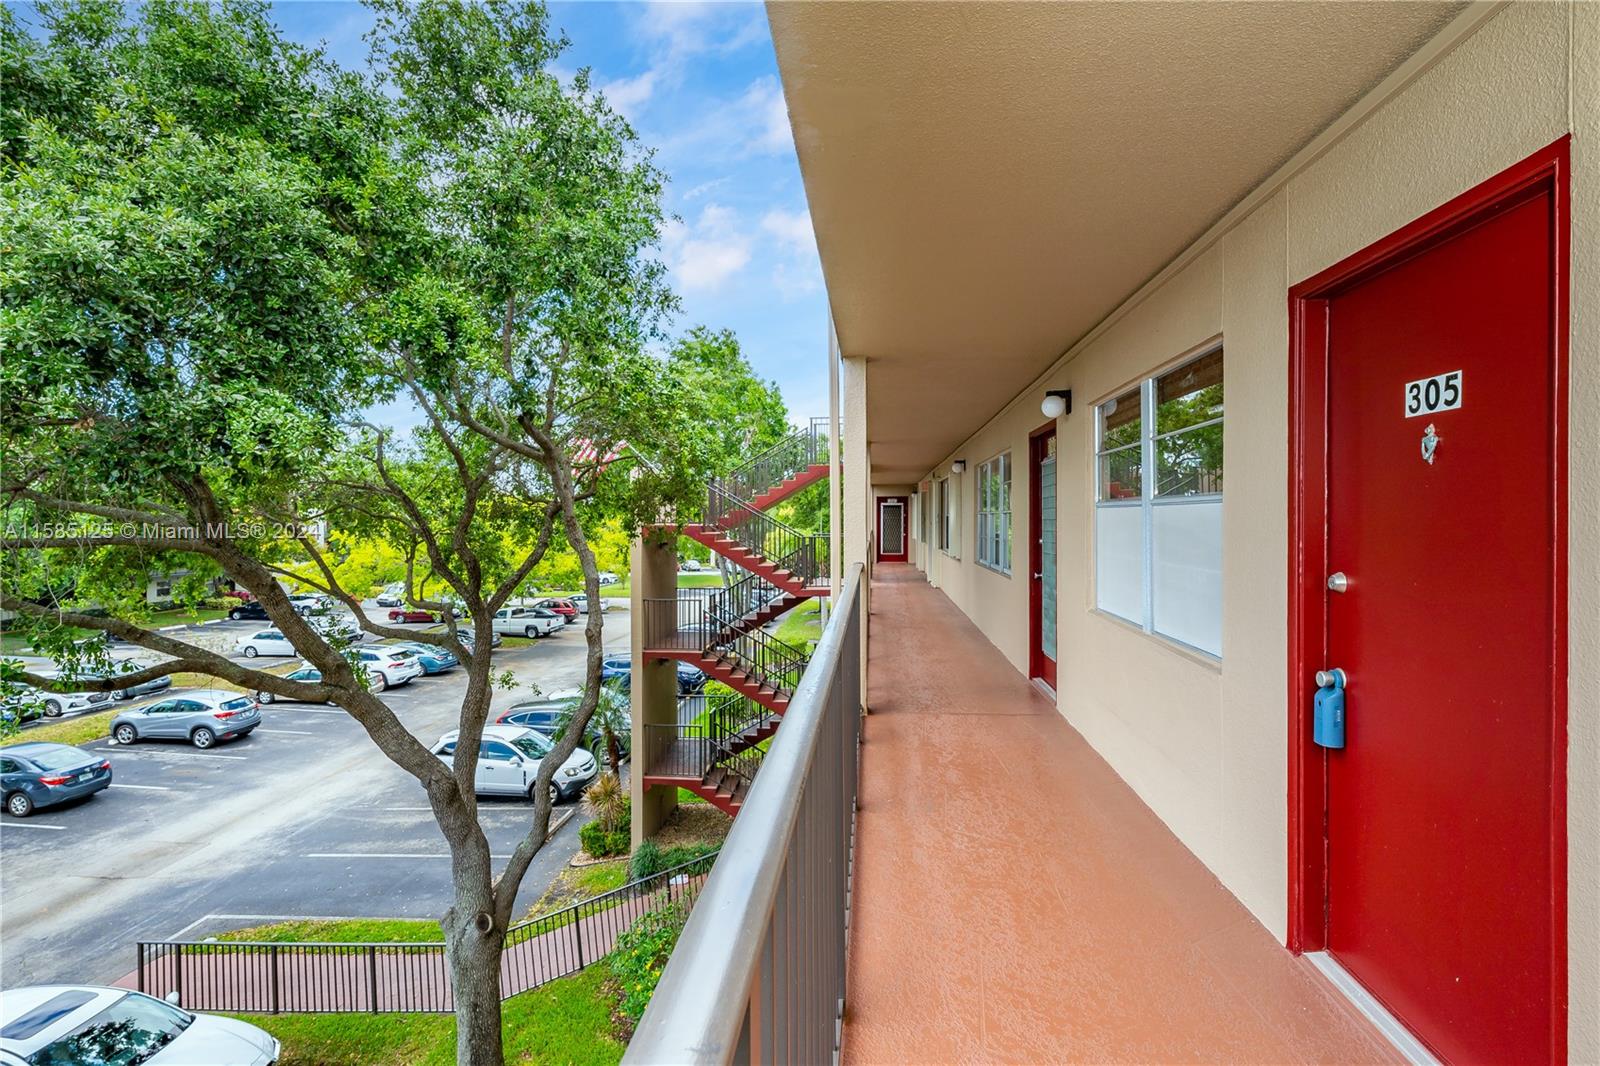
(789, 486)
(733, 551)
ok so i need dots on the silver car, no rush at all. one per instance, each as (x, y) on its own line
(202, 718)
(508, 763)
(87, 1024)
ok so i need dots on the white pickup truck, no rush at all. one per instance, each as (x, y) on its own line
(526, 621)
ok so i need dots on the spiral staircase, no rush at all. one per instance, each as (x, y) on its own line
(715, 747)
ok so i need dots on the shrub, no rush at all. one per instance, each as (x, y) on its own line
(641, 954)
(608, 801)
(646, 861)
(601, 844)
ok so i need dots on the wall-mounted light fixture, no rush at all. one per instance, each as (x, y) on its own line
(958, 467)
(1057, 402)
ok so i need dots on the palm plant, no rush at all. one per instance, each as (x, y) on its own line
(612, 717)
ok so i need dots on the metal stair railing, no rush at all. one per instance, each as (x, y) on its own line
(803, 554)
(782, 461)
(729, 608)
(771, 662)
(716, 737)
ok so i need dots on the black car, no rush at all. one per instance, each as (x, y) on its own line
(617, 670)
(249, 611)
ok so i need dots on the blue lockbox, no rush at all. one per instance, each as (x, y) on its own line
(1327, 720)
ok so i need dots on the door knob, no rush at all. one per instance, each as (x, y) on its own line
(1338, 582)
(1038, 575)
(1328, 677)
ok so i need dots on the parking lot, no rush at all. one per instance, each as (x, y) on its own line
(303, 818)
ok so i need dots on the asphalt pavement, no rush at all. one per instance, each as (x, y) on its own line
(303, 818)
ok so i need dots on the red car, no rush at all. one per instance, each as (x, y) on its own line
(565, 608)
(412, 614)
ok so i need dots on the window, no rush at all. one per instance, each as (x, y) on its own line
(1158, 509)
(994, 513)
(947, 516)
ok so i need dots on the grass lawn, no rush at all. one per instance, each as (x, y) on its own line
(79, 730)
(566, 1021)
(802, 625)
(710, 579)
(344, 931)
(685, 796)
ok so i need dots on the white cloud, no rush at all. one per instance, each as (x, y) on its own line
(629, 95)
(767, 116)
(792, 230)
(704, 255)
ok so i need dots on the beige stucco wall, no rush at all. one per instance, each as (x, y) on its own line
(1205, 742)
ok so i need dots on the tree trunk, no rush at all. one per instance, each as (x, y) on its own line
(613, 751)
(474, 959)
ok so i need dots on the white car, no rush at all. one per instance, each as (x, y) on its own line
(509, 758)
(266, 642)
(86, 1024)
(526, 621)
(581, 601)
(608, 578)
(387, 666)
(311, 602)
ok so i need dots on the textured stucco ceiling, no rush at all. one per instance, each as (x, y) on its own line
(989, 180)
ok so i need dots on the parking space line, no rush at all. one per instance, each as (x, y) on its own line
(293, 732)
(382, 855)
(305, 710)
(123, 749)
(146, 788)
(29, 825)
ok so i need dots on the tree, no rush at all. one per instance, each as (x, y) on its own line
(222, 249)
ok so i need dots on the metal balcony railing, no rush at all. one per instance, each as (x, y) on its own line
(791, 456)
(715, 729)
(680, 623)
(758, 974)
(802, 554)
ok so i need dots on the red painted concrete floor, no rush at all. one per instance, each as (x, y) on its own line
(1015, 901)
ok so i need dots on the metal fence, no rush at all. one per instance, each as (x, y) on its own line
(759, 972)
(261, 977)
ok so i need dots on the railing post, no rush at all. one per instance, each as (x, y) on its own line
(141, 966)
(577, 919)
(273, 973)
(372, 977)
(177, 971)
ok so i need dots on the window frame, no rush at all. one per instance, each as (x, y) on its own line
(1149, 498)
(949, 515)
(988, 537)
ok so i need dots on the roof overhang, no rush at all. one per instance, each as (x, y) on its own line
(988, 181)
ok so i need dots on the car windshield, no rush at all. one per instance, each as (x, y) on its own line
(57, 758)
(238, 704)
(403, 653)
(130, 1031)
(532, 744)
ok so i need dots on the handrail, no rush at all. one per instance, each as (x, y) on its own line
(771, 922)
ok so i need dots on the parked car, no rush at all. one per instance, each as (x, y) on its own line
(266, 642)
(466, 638)
(691, 564)
(34, 775)
(249, 612)
(560, 605)
(545, 716)
(311, 602)
(338, 629)
(581, 602)
(526, 621)
(388, 666)
(608, 578)
(202, 718)
(434, 660)
(86, 1025)
(392, 596)
(412, 614)
(144, 688)
(618, 670)
(308, 674)
(509, 758)
(56, 704)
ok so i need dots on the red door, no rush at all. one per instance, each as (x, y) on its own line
(1042, 554)
(892, 529)
(1445, 514)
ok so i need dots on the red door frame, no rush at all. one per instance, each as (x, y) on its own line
(1036, 441)
(1308, 479)
(905, 529)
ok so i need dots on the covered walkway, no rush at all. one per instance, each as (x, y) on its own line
(1015, 901)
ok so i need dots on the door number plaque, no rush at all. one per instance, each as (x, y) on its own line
(1439, 393)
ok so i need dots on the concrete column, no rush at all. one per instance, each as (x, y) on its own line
(857, 511)
(835, 470)
(654, 697)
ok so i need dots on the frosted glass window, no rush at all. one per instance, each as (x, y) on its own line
(1119, 561)
(1187, 572)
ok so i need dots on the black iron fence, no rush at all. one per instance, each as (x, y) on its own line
(260, 977)
(791, 456)
(803, 554)
(679, 623)
(759, 972)
(725, 732)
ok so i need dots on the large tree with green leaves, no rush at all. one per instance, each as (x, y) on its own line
(223, 250)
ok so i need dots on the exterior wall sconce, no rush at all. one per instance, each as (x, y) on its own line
(958, 467)
(1057, 402)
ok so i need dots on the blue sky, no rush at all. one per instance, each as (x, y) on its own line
(700, 84)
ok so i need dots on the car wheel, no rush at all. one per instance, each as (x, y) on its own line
(250, 651)
(202, 738)
(555, 794)
(379, 682)
(265, 697)
(236, 615)
(18, 805)
(125, 734)
(123, 695)
(531, 632)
